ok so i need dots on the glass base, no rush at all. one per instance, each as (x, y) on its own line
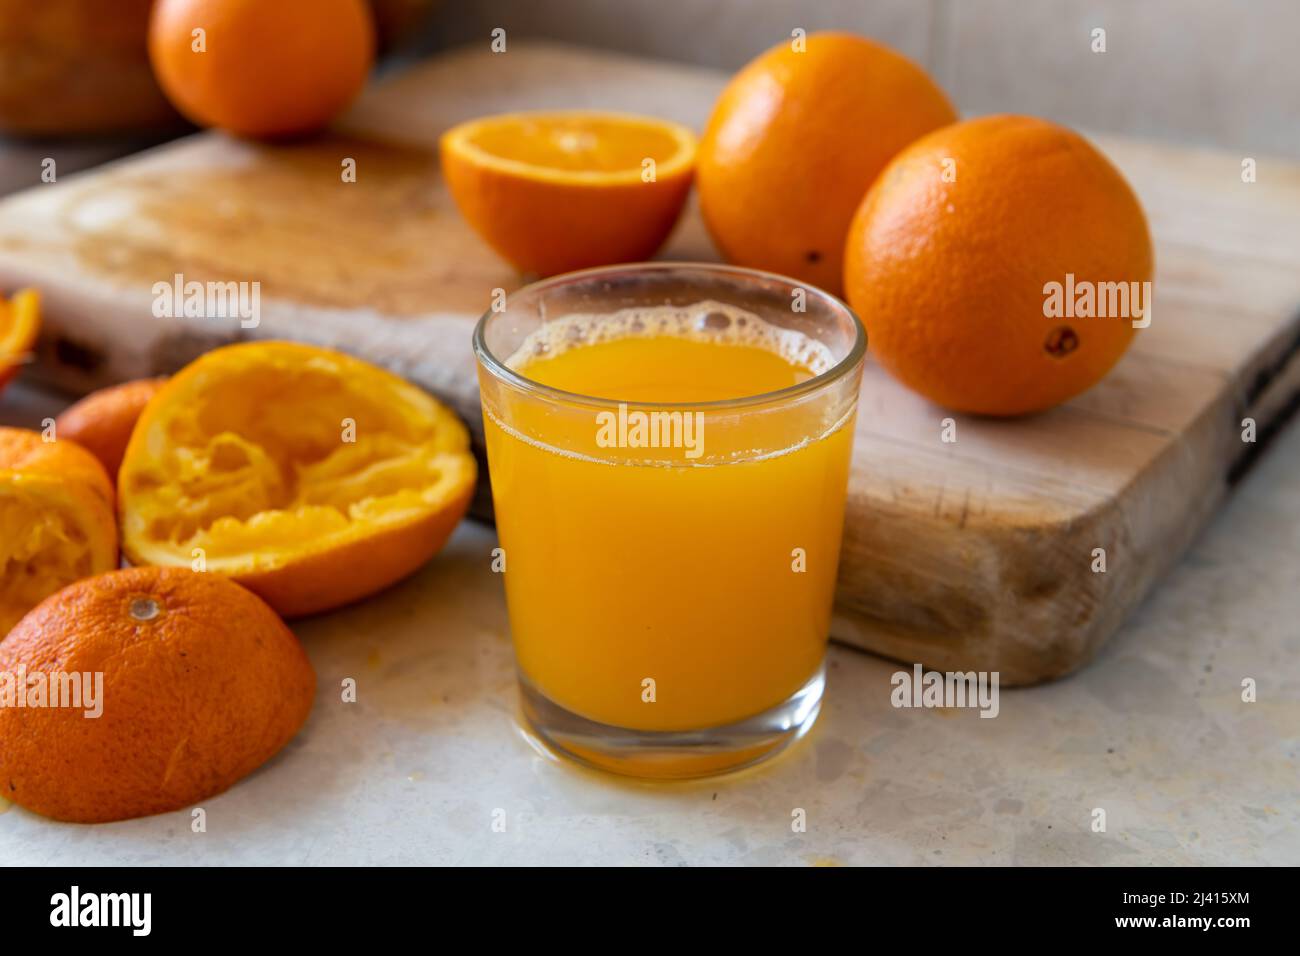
(671, 754)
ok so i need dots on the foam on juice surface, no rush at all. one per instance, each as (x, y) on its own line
(707, 321)
(560, 354)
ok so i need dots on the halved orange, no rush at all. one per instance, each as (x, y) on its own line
(311, 477)
(557, 191)
(20, 322)
(56, 520)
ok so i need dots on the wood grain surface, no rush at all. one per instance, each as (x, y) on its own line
(975, 554)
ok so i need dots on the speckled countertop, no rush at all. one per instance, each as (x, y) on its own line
(418, 769)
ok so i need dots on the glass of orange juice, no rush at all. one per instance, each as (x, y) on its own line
(669, 449)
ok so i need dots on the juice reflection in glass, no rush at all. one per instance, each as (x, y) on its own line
(669, 450)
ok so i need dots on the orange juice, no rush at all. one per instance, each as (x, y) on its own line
(685, 584)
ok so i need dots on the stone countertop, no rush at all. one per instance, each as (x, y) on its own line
(417, 770)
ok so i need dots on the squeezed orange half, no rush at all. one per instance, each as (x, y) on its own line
(673, 587)
(309, 476)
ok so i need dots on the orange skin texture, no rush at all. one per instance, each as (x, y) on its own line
(328, 580)
(59, 473)
(794, 142)
(545, 228)
(194, 699)
(102, 421)
(948, 277)
(270, 70)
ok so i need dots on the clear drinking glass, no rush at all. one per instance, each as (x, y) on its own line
(669, 565)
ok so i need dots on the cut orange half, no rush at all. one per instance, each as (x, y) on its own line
(56, 520)
(19, 325)
(311, 477)
(557, 191)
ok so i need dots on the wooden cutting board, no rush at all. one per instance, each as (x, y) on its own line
(976, 554)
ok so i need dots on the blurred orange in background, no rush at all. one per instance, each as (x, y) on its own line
(262, 69)
(78, 67)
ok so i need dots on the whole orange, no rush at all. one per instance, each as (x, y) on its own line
(261, 69)
(794, 142)
(952, 260)
(102, 421)
(201, 684)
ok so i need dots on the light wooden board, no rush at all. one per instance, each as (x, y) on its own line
(972, 555)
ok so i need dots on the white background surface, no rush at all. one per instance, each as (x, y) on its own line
(1154, 731)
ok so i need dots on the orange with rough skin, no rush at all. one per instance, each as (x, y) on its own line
(951, 273)
(202, 684)
(266, 70)
(56, 520)
(794, 142)
(20, 323)
(102, 421)
(558, 191)
(309, 476)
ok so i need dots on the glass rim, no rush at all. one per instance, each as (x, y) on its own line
(499, 369)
